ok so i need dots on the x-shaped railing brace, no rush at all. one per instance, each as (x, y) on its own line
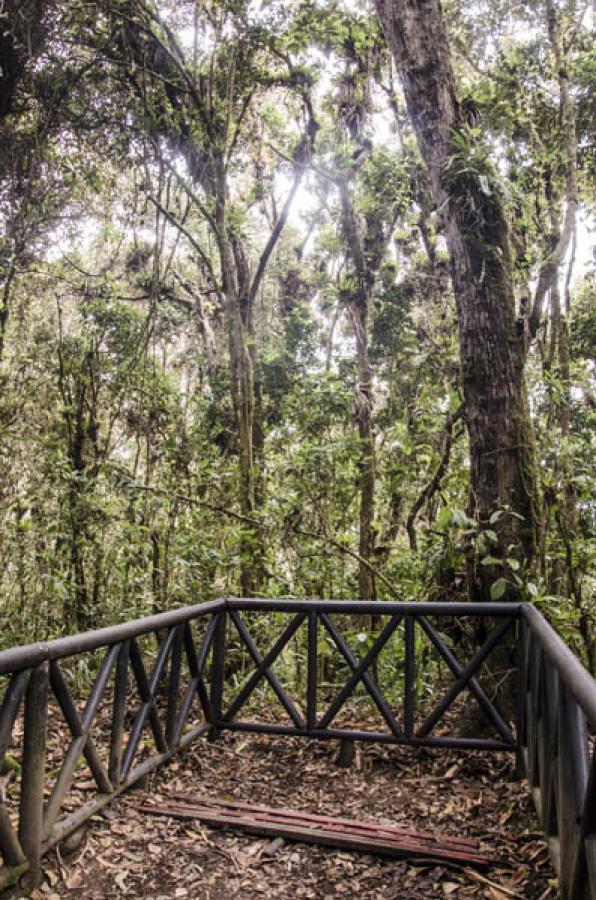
(465, 678)
(80, 728)
(263, 668)
(360, 673)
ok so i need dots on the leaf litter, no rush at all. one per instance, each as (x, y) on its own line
(125, 854)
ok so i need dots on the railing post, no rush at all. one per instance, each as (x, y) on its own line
(33, 769)
(119, 714)
(218, 663)
(522, 687)
(548, 746)
(174, 685)
(311, 686)
(410, 676)
(572, 773)
(536, 663)
(584, 874)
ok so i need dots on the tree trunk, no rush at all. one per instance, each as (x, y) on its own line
(364, 409)
(359, 302)
(82, 615)
(23, 31)
(502, 469)
(236, 286)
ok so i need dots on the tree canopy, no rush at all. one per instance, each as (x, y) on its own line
(295, 299)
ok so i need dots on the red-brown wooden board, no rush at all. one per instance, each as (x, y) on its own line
(300, 814)
(297, 825)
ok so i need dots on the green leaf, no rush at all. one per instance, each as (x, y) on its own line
(513, 564)
(498, 588)
(491, 561)
(444, 517)
(460, 518)
(532, 589)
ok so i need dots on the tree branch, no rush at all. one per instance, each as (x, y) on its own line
(550, 267)
(434, 484)
(177, 224)
(275, 235)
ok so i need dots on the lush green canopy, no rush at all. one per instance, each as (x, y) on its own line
(233, 357)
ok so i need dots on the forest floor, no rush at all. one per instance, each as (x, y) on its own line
(125, 853)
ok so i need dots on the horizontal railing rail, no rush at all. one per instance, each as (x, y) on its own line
(164, 680)
(32, 654)
(575, 677)
(376, 607)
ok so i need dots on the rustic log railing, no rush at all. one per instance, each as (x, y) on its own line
(414, 621)
(556, 709)
(163, 681)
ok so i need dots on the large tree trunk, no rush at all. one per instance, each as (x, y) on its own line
(359, 302)
(23, 32)
(502, 471)
(364, 415)
(236, 290)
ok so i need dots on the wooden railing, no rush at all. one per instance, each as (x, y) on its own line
(49, 764)
(161, 682)
(398, 626)
(556, 709)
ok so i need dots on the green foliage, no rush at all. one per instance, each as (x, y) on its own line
(121, 491)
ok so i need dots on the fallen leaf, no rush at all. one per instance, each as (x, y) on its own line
(121, 878)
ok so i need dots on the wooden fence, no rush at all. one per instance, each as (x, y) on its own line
(161, 682)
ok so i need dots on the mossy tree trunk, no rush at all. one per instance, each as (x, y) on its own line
(492, 347)
(359, 301)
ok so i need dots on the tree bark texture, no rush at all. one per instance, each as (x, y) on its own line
(502, 470)
(364, 415)
(23, 33)
(359, 302)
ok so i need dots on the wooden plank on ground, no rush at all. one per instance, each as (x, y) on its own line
(296, 825)
(297, 815)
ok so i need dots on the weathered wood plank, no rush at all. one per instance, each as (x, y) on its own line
(296, 814)
(379, 840)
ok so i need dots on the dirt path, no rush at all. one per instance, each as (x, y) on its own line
(124, 853)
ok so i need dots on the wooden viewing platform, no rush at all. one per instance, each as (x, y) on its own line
(189, 680)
